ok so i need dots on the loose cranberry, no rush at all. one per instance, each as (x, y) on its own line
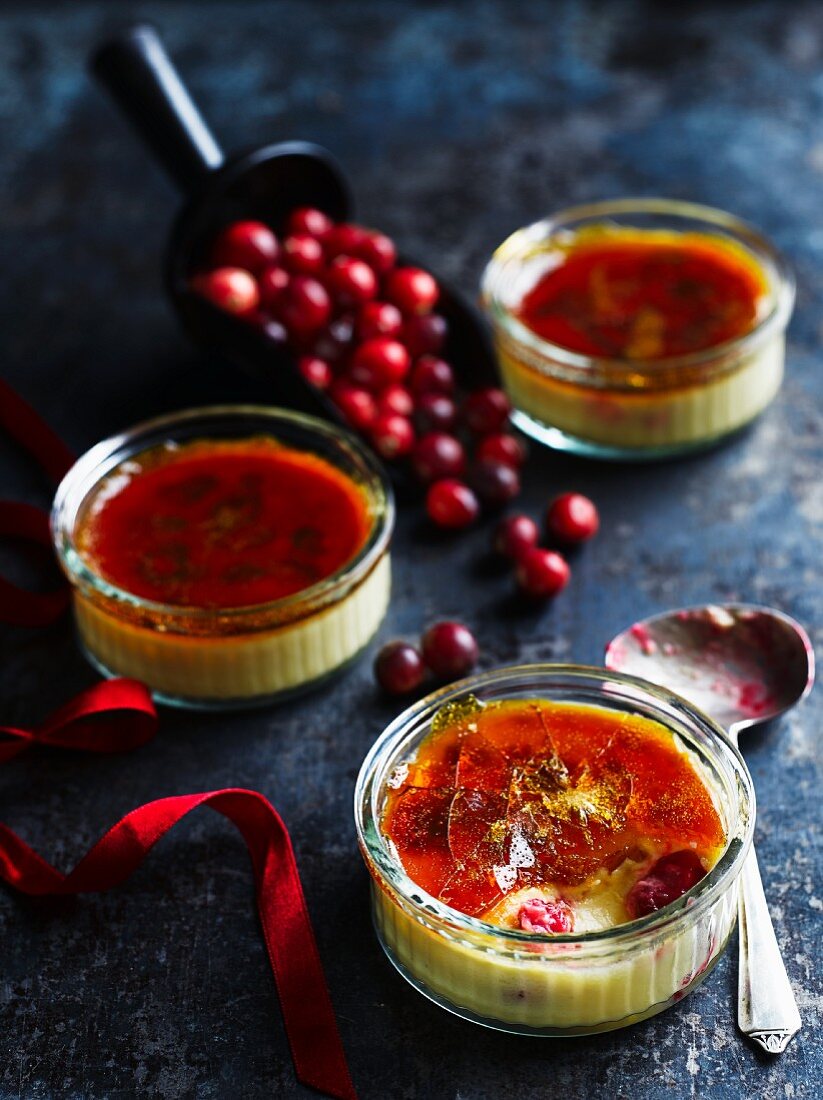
(450, 650)
(357, 406)
(451, 503)
(494, 482)
(344, 240)
(502, 448)
(310, 220)
(274, 331)
(379, 363)
(396, 399)
(304, 306)
(302, 254)
(572, 518)
(334, 342)
(435, 412)
(351, 281)
(392, 436)
(425, 334)
(668, 880)
(378, 319)
(431, 375)
(542, 573)
(514, 535)
(399, 668)
(412, 290)
(486, 411)
(314, 370)
(250, 245)
(271, 282)
(230, 289)
(378, 251)
(438, 455)
(539, 915)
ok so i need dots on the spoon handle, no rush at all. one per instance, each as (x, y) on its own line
(766, 1008)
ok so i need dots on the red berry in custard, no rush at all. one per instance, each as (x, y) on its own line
(399, 668)
(271, 282)
(378, 319)
(435, 412)
(229, 288)
(315, 370)
(378, 363)
(438, 455)
(451, 503)
(486, 411)
(378, 251)
(540, 915)
(250, 245)
(396, 399)
(425, 334)
(303, 255)
(304, 305)
(412, 290)
(431, 375)
(351, 281)
(541, 573)
(309, 220)
(502, 448)
(572, 518)
(494, 482)
(668, 880)
(392, 436)
(344, 240)
(514, 535)
(357, 405)
(449, 650)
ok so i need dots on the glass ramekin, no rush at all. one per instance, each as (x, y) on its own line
(634, 408)
(557, 984)
(229, 657)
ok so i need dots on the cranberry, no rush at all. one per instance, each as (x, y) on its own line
(344, 240)
(399, 668)
(230, 289)
(572, 518)
(304, 305)
(450, 650)
(357, 406)
(314, 370)
(668, 880)
(486, 411)
(502, 448)
(542, 573)
(351, 281)
(495, 483)
(271, 282)
(396, 399)
(432, 375)
(274, 331)
(425, 334)
(378, 319)
(334, 342)
(379, 363)
(392, 436)
(378, 251)
(412, 290)
(451, 503)
(539, 915)
(514, 535)
(435, 412)
(438, 455)
(310, 220)
(303, 254)
(250, 245)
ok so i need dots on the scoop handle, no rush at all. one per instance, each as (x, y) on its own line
(137, 72)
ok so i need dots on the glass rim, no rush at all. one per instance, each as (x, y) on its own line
(64, 511)
(776, 270)
(377, 853)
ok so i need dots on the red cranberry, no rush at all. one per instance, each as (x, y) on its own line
(668, 880)
(230, 289)
(379, 363)
(250, 245)
(542, 573)
(314, 370)
(378, 319)
(357, 406)
(271, 282)
(344, 240)
(539, 915)
(486, 411)
(392, 436)
(514, 535)
(572, 518)
(351, 281)
(450, 650)
(412, 290)
(310, 220)
(334, 341)
(451, 503)
(304, 305)
(303, 254)
(438, 455)
(378, 251)
(396, 399)
(502, 448)
(399, 668)
(495, 483)
(425, 334)
(431, 375)
(435, 412)
(274, 331)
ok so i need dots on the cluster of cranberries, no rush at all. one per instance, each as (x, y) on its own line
(448, 650)
(571, 519)
(366, 332)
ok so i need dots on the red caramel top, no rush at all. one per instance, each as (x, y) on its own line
(222, 524)
(635, 294)
(528, 793)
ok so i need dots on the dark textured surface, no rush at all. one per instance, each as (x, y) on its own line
(458, 123)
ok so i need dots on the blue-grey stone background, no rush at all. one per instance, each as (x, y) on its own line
(458, 122)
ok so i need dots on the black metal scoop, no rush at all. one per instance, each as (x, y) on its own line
(263, 184)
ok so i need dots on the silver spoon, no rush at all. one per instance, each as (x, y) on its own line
(743, 665)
